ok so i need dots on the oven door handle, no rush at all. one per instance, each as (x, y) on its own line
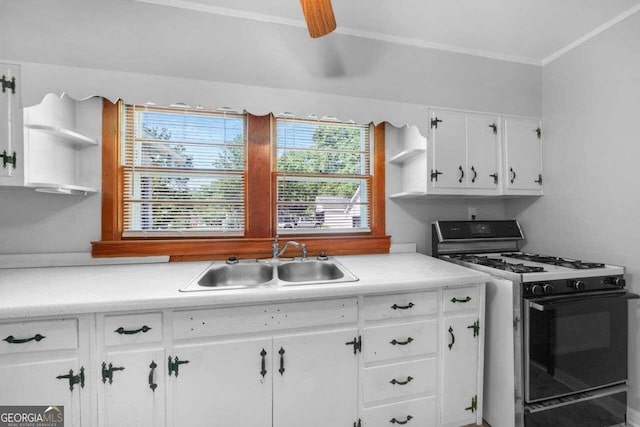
(555, 303)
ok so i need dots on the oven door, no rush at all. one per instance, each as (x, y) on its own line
(574, 343)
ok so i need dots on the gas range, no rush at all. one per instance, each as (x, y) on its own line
(551, 323)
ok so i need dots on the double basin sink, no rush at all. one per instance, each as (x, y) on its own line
(259, 273)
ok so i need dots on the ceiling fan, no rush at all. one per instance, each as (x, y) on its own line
(319, 17)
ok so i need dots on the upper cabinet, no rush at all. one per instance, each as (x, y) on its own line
(522, 156)
(471, 154)
(463, 153)
(11, 159)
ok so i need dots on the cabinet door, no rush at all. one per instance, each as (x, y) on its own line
(223, 384)
(134, 392)
(315, 380)
(523, 155)
(448, 150)
(460, 369)
(10, 121)
(482, 152)
(26, 383)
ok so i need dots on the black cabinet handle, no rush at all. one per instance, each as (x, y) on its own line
(396, 421)
(281, 353)
(107, 373)
(402, 307)
(453, 338)
(123, 331)
(475, 174)
(463, 300)
(396, 342)
(152, 385)
(461, 174)
(13, 340)
(263, 371)
(513, 178)
(73, 379)
(395, 381)
(175, 365)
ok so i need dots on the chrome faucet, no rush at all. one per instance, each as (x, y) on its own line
(277, 252)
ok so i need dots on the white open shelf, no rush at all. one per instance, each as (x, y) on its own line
(405, 155)
(66, 134)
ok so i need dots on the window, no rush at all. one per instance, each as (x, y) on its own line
(323, 176)
(183, 172)
(202, 185)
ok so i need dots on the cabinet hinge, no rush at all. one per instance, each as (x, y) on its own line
(174, 365)
(495, 178)
(8, 84)
(538, 132)
(73, 379)
(474, 404)
(356, 343)
(434, 175)
(357, 423)
(475, 327)
(434, 122)
(9, 159)
(495, 128)
(539, 180)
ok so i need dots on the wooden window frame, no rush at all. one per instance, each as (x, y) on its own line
(260, 224)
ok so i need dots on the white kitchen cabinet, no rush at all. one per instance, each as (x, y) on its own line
(222, 383)
(11, 160)
(522, 140)
(315, 379)
(133, 388)
(131, 370)
(45, 363)
(463, 153)
(461, 357)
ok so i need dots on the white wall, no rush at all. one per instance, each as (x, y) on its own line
(119, 37)
(591, 112)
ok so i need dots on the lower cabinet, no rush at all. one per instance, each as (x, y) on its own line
(404, 358)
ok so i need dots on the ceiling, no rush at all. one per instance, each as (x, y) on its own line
(527, 31)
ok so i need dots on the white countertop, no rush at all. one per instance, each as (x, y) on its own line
(32, 292)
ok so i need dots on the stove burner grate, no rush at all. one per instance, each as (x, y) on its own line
(552, 260)
(498, 263)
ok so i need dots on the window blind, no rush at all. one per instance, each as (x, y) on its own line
(323, 176)
(184, 171)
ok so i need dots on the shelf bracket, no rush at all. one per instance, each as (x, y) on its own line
(9, 159)
(8, 84)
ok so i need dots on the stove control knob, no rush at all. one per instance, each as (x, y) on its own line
(618, 282)
(578, 285)
(548, 288)
(537, 289)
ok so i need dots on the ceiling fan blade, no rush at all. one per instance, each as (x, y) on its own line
(319, 17)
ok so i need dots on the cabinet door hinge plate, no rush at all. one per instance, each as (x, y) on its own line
(8, 84)
(356, 343)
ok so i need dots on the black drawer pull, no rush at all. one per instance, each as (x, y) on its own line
(152, 385)
(395, 381)
(13, 340)
(123, 331)
(402, 307)
(463, 300)
(396, 342)
(396, 421)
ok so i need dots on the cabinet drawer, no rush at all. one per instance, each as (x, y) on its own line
(59, 334)
(401, 340)
(458, 299)
(400, 380)
(133, 328)
(260, 318)
(400, 305)
(418, 412)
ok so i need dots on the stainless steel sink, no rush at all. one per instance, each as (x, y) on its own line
(309, 271)
(236, 275)
(254, 274)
